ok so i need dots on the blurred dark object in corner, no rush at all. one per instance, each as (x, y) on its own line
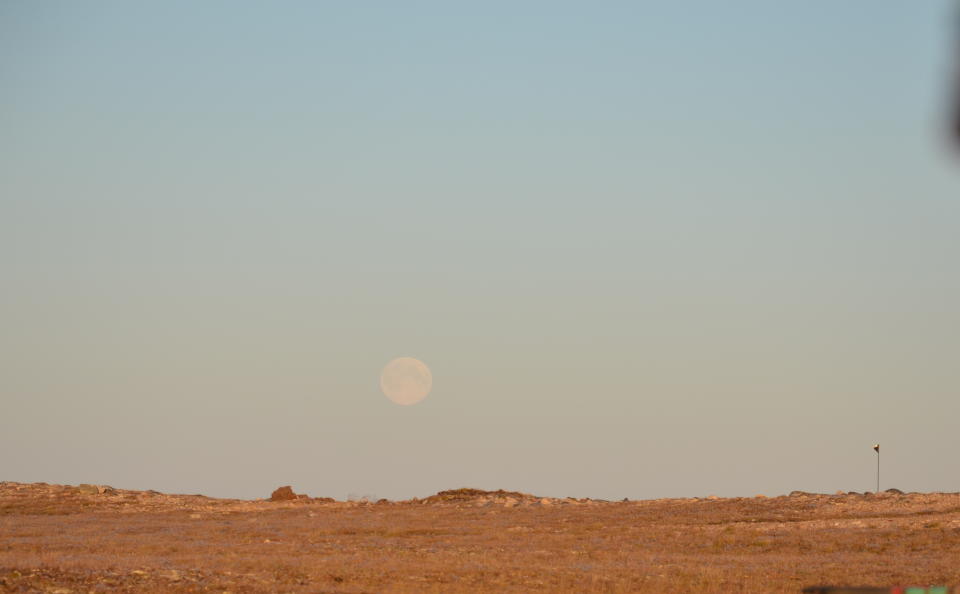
(956, 105)
(956, 78)
(956, 102)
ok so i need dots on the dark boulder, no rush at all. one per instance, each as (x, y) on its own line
(283, 494)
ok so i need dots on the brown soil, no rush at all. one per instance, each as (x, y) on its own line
(56, 538)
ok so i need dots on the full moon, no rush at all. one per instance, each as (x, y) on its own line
(406, 381)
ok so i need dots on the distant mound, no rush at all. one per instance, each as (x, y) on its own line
(469, 495)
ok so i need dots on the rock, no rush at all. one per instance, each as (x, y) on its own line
(799, 493)
(284, 493)
(894, 491)
(86, 489)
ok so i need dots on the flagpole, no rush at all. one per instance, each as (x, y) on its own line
(876, 448)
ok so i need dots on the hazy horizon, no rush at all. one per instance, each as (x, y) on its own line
(646, 249)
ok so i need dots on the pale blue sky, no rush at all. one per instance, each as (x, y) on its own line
(647, 249)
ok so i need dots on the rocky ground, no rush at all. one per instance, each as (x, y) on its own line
(92, 538)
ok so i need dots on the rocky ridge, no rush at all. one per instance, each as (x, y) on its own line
(43, 498)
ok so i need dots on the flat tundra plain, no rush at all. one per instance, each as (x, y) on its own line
(77, 539)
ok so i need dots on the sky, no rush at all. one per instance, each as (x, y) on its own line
(647, 249)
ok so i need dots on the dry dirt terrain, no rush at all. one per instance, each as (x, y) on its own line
(56, 538)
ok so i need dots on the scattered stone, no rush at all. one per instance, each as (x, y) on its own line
(284, 493)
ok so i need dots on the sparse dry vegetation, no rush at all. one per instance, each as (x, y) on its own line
(70, 539)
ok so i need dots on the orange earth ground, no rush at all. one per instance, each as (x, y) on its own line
(65, 539)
